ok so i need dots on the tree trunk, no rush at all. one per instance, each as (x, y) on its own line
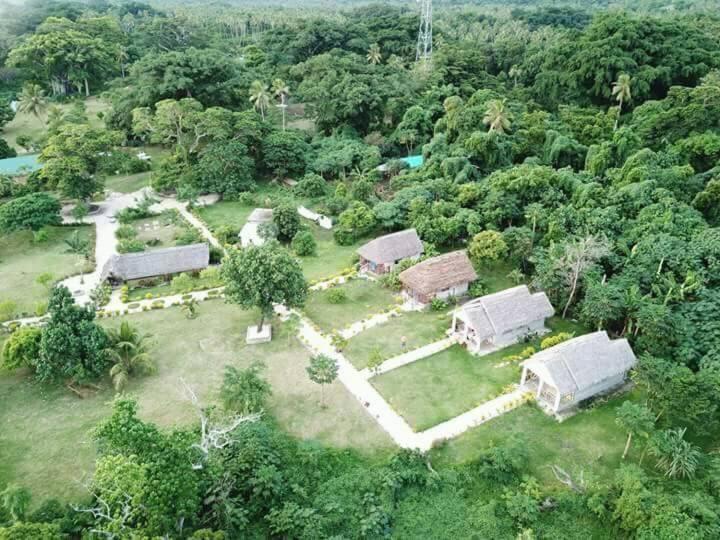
(283, 117)
(87, 88)
(262, 320)
(572, 292)
(627, 445)
(617, 118)
(322, 396)
(122, 70)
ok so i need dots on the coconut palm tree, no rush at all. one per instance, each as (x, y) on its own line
(280, 90)
(514, 73)
(621, 91)
(374, 56)
(497, 117)
(260, 97)
(32, 100)
(122, 57)
(129, 352)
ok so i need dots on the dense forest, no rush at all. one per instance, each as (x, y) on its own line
(582, 141)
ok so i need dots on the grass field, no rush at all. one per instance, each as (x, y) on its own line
(161, 231)
(364, 298)
(46, 444)
(444, 385)
(330, 258)
(232, 213)
(34, 127)
(589, 442)
(127, 183)
(453, 381)
(419, 328)
(22, 261)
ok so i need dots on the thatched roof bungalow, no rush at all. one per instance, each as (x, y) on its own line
(566, 374)
(501, 318)
(159, 262)
(380, 255)
(443, 276)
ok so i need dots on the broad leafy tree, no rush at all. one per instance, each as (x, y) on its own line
(322, 370)
(33, 212)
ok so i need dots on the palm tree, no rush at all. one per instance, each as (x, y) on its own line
(189, 307)
(281, 90)
(259, 97)
(514, 73)
(497, 116)
(374, 56)
(677, 457)
(122, 57)
(621, 91)
(129, 351)
(32, 100)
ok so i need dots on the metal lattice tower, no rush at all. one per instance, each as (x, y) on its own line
(424, 42)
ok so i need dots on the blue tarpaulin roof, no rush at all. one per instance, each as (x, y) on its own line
(19, 165)
(413, 161)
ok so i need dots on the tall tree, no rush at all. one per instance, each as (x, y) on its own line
(33, 212)
(374, 55)
(497, 116)
(32, 100)
(259, 97)
(261, 276)
(281, 91)
(72, 347)
(637, 420)
(621, 91)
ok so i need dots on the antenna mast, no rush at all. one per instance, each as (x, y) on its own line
(424, 42)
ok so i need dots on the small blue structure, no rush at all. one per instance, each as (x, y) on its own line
(413, 162)
(19, 165)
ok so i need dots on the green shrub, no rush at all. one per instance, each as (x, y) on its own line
(7, 310)
(180, 283)
(477, 289)
(41, 309)
(130, 246)
(438, 304)
(336, 296)
(303, 243)
(311, 185)
(149, 295)
(187, 237)
(157, 304)
(125, 232)
(554, 340)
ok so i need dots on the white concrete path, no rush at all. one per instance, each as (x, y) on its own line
(409, 357)
(470, 419)
(381, 318)
(105, 242)
(171, 203)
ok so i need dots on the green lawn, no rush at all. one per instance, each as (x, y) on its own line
(453, 381)
(22, 261)
(444, 385)
(232, 213)
(495, 277)
(419, 328)
(330, 258)
(589, 442)
(127, 183)
(46, 444)
(364, 298)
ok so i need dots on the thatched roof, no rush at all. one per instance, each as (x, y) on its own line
(392, 247)
(506, 310)
(582, 362)
(439, 273)
(159, 262)
(260, 215)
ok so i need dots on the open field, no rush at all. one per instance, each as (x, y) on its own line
(419, 328)
(46, 444)
(34, 127)
(446, 384)
(127, 183)
(590, 441)
(231, 213)
(364, 298)
(22, 260)
(330, 258)
(161, 231)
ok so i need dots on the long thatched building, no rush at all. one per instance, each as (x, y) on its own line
(159, 262)
(443, 276)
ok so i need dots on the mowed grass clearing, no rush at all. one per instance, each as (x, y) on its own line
(363, 299)
(330, 258)
(45, 431)
(22, 260)
(589, 443)
(419, 328)
(446, 384)
(34, 127)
